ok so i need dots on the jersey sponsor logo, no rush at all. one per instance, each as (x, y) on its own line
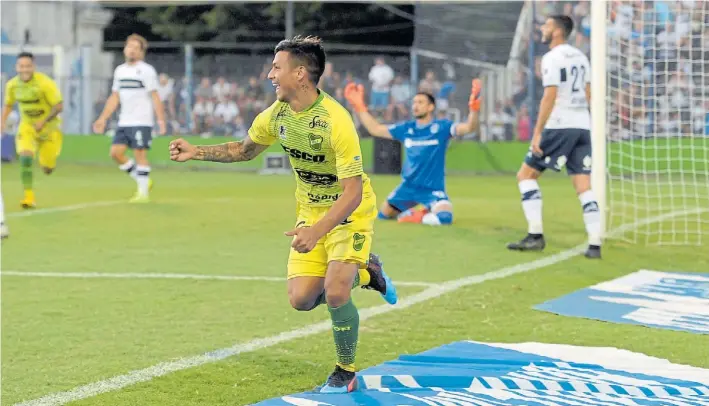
(34, 113)
(358, 241)
(318, 198)
(304, 156)
(408, 143)
(317, 123)
(315, 141)
(316, 179)
(131, 84)
(32, 101)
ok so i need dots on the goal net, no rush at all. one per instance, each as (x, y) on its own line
(657, 120)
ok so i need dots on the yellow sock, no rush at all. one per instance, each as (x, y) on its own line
(364, 278)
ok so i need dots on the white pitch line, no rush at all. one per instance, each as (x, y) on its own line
(164, 368)
(110, 275)
(59, 209)
(89, 205)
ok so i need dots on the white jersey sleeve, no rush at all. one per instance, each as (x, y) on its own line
(116, 82)
(569, 70)
(551, 74)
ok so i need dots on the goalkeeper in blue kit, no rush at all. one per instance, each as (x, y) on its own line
(421, 196)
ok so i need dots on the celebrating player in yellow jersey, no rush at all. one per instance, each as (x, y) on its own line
(39, 131)
(336, 206)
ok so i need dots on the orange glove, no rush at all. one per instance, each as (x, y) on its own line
(474, 102)
(354, 94)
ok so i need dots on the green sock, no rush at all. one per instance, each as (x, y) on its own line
(345, 329)
(26, 171)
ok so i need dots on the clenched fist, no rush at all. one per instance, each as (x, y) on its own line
(181, 150)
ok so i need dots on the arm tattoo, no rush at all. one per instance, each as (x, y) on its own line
(56, 109)
(229, 152)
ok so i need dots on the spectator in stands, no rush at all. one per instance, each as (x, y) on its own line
(497, 121)
(327, 80)
(400, 99)
(429, 84)
(225, 114)
(221, 89)
(255, 94)
(524, 124)
(380, 76)
(202, 115)
(205, 89)
(166, 91)
(444, 95)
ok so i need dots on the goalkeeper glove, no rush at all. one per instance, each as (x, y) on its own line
(474, 102)
(354, 94)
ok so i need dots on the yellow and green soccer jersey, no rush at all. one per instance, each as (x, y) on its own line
(35, 97)
(322, 144)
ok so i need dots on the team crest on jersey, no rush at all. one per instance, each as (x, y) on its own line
(315, 141)
(282, 132)
(434, 128)
(358, 241)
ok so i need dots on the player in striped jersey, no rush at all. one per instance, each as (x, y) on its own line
(135, 88)
(336, 206)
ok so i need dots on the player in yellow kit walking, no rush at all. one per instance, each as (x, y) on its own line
(40, 127)
(336, 206)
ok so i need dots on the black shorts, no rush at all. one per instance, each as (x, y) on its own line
(134, 137)
(570, 147)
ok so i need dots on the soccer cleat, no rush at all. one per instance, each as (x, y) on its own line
(138, 198)
(529, 243)
(340, 381)
(28, 202)
(380, 281)
(412, 216)
(4, 231)
(593, 252)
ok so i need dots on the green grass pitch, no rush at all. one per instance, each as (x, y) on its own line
(60, 333)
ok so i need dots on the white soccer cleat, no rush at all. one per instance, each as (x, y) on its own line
(4, 231)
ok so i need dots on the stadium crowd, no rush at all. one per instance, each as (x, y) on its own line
(658, 66)
(225, 105)
(658, 76)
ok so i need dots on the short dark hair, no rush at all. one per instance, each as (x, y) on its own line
(25, 54)
(565, 22)
(429, 96)
(309, 52)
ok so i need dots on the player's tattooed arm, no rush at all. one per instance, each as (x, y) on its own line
(237, 151)
(56, 109)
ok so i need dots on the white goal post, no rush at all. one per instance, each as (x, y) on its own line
(650, 119)
(598, 107)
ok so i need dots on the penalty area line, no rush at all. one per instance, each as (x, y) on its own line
(111, 275)
(165, 368)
